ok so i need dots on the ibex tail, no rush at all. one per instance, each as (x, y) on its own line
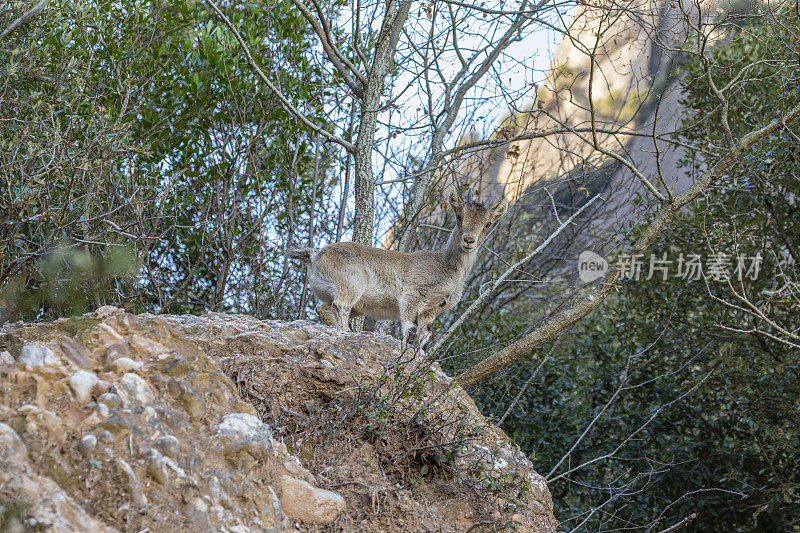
(301, 254)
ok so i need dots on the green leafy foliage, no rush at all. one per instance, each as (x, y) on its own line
(69, 281)
(139, 124)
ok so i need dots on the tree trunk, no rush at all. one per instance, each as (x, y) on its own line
(393, 20)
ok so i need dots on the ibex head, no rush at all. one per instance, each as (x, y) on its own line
(473, 219)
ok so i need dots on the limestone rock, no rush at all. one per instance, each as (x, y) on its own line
(137, 388)
(125, 364)
(82, 382)
(33, 356)
(75, 352)
(242, 432)
(310, 505)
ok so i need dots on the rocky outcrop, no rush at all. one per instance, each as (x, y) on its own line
(112, 421)
(635, 49)
(630, 93)
(46, 504)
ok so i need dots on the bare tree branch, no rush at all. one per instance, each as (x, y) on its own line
(422, 184)
(345, 68)
(682, 523)
(25, 17)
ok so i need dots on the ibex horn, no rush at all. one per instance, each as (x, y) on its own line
(469, 195)
(486, 203)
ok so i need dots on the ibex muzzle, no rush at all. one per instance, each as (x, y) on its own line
(351, 279)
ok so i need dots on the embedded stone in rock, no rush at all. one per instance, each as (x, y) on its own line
(168, 445)
(268, 505)
(242, 432)
(277, 510)
(105, 334)
(197, 510)
(133, 483)
(137, 388)
(34, 356)
(13, 449)
(156, 466)
(106, 310)
(213, 488)
(193, 403)
(145, 346)
(102, 410)
(177, 469)
(100, 388)
(82, 382)
(115, 351)
(188, 396)
(5, 358)
(87, 444)
(304, 502)
(125, 364)
(35, 416)
(150, 414)
(293, 465)
(110, 399)
(75, 352)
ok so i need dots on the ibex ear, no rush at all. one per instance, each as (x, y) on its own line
(499, 210)
(455, 201)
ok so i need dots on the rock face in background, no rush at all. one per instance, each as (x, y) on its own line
(225, 423)
(635, 48)
(633, 90)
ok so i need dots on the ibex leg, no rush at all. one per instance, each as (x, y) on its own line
(424, 329)
(342, 313)
(327, 315)
(407, 329)
(408, 323)
(424, 334)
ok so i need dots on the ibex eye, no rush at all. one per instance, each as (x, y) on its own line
(489, 225)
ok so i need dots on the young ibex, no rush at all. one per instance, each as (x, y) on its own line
(352, 279)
